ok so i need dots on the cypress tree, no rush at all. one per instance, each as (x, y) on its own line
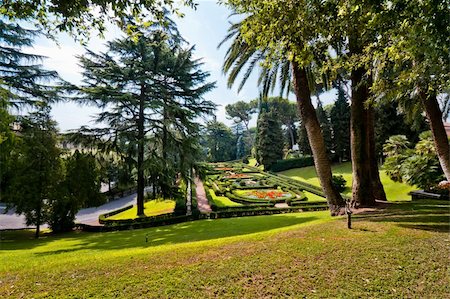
(303, 142)
(325, 126)
(340, 124)
(269, 144)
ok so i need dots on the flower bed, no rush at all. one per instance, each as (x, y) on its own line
(269, 194)
(253, 188)
(237, 176)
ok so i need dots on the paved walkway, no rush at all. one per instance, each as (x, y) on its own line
(90, 215)
(11, 220)
(202, 201)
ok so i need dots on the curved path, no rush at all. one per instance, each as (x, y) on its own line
(90, 215)
(11, 220)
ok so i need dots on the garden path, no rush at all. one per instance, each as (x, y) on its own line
(202, 201)
(11, 220)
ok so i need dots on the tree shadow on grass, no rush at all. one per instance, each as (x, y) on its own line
(424, 215)
(193, 231)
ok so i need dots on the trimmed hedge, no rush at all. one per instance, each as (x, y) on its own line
(263, 211)
(158, 218)
(142, 224)
(102, 218)
(281, 165)
(307, 203)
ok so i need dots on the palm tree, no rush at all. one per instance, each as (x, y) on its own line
(241, 55)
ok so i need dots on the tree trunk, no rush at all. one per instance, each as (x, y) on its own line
(189, 195)
(361, 187)
(38, 220)
(366, 186)
(441, 143)
(291, 135)
(164, 184)
(377, 187)
(140, 160)
(315, 137)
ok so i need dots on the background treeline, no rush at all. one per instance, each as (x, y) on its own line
(223, 143)
(149, 90)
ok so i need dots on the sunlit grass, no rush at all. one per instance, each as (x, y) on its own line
(151, 208)
(222, 201)
(394, 191)
(401, 252)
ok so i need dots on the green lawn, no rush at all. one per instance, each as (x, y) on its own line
(314, 198)
(222, 201)
(400, 252)
(151, 208)
(394, 191)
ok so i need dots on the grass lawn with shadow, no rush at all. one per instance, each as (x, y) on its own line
(151, 208)
(400, 251)
(394, 191)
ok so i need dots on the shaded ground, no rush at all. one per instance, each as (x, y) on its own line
(395, 191)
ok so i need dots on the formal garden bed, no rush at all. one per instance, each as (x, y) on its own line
(237, 186)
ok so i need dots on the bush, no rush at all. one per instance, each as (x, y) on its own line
(180, 206)
(62, 214)
(281, 165)
(339, 183)
(245, 160)
(419, 166)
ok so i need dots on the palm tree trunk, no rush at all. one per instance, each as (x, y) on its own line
(434, 115)
(315, 137)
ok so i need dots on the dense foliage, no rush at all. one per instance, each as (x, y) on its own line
(81, 17)
(417, 166)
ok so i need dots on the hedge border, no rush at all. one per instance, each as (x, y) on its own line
(102, 217)
(213, 215)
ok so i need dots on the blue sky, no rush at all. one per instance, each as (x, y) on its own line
(204, 28)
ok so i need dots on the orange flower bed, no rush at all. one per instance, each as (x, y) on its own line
(237, 176)
(268, 194)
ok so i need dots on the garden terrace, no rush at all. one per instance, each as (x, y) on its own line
(236, 186)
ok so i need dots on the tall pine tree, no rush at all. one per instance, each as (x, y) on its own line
(149, 88)
(38, 170)
(23, 81)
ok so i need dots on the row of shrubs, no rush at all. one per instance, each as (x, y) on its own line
(224, 213)
(264, 211)
(282, 165)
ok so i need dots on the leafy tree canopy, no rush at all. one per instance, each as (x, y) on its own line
(82, 16)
